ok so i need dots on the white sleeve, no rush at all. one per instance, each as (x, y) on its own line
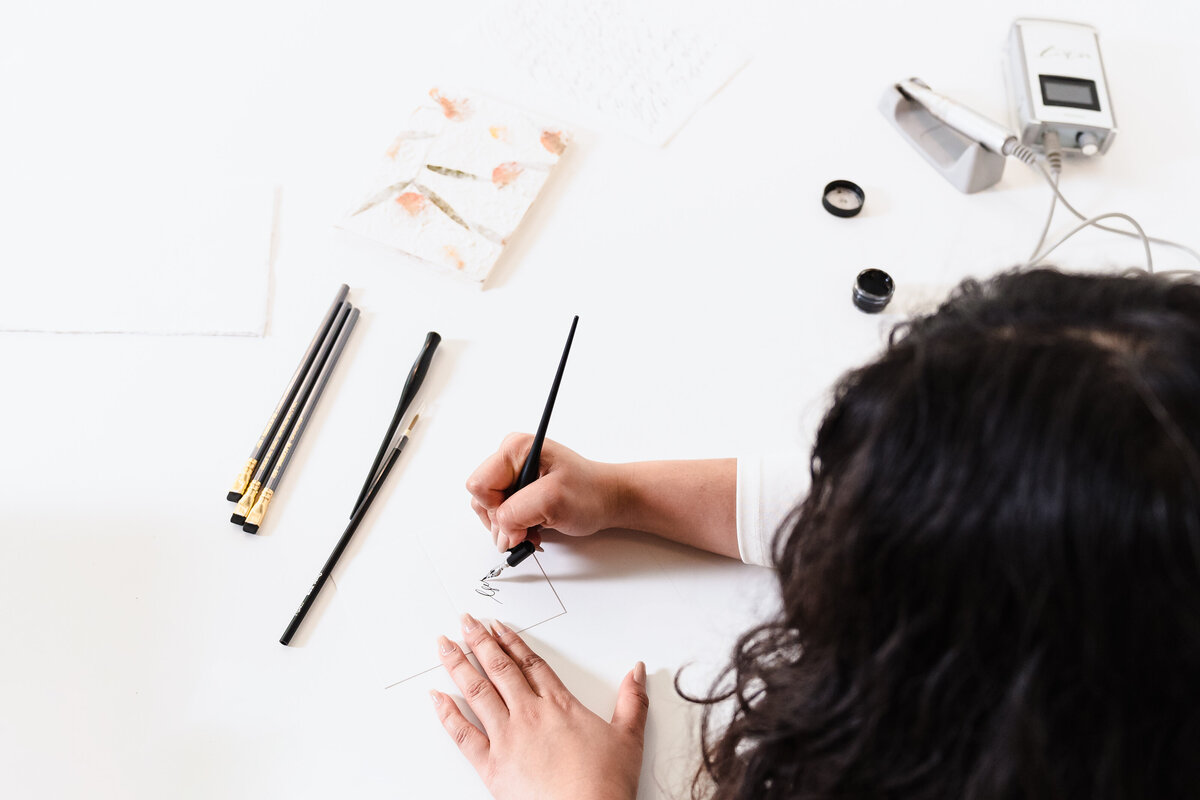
(768, 488)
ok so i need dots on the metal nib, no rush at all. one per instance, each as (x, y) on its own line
(495, 571)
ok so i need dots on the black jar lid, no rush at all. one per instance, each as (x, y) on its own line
(843, 198)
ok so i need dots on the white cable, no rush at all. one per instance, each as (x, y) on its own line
(1052, 149)
(1049, 218)
(1139, 234)
(1093, 221)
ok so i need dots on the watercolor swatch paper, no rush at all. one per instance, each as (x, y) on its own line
(455, 183)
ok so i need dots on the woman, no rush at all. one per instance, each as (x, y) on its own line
(991, 589)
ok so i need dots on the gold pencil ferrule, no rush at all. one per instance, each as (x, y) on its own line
(255, 517)
(247, 502)
(243, 478)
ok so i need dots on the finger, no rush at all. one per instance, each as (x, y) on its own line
(490, 481)
(539, 503)
(538, 674)
(476, 689)
(505, 542)
(484, 515)
(632, 704)
(471, 741)
(499, 667)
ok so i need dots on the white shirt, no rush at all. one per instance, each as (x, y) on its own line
(768, 488)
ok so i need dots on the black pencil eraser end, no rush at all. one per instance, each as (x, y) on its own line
(238, 519)
(233, 497)
(250, 527)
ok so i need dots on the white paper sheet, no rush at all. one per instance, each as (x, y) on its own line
(421, 564)
(642, 75)
(131, 200)
(139, 265)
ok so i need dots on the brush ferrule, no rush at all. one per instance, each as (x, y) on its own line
(255, 517)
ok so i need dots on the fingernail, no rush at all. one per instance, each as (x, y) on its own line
(639, 674)
(435, 697)
(501, 542)
(469, 623)
(499, 627)
(445, 646)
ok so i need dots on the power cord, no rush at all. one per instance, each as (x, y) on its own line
(1053, 159)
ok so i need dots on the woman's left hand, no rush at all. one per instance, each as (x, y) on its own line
(538, 740)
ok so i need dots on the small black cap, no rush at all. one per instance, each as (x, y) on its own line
(238, 519)
(843, 198)
(250, 527)
(873, 289)
(233, 497)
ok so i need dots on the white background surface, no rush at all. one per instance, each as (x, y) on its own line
(139, 628)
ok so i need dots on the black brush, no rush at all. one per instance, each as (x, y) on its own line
(416, 376)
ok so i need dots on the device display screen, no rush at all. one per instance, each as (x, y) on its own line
(1072, 92)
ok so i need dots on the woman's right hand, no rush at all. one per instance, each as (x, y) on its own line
(572, 495)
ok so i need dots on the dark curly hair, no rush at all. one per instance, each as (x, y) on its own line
(992, 589)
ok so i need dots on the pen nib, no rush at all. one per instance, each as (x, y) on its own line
(494, 572)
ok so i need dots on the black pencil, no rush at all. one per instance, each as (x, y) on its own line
(355, 519)
(260, 447)
(255, 518)
(289, 418)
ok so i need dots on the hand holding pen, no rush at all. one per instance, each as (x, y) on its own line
(574, 495)
(531, 468)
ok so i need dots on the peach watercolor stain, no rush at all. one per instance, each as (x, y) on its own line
(412, 202)
(453, 256)
(506, 173)
(451, 108)
(499, 133)
(554, 142)
(394, 147)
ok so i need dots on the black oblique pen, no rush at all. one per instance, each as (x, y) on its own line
(533, 462)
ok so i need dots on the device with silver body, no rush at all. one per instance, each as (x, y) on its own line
(1057, 81)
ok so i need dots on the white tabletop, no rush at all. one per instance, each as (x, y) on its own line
(140, 629)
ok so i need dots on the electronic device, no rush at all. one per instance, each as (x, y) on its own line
(1057, 83)
(967, 148)
(1059, 94)
(992, 135)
